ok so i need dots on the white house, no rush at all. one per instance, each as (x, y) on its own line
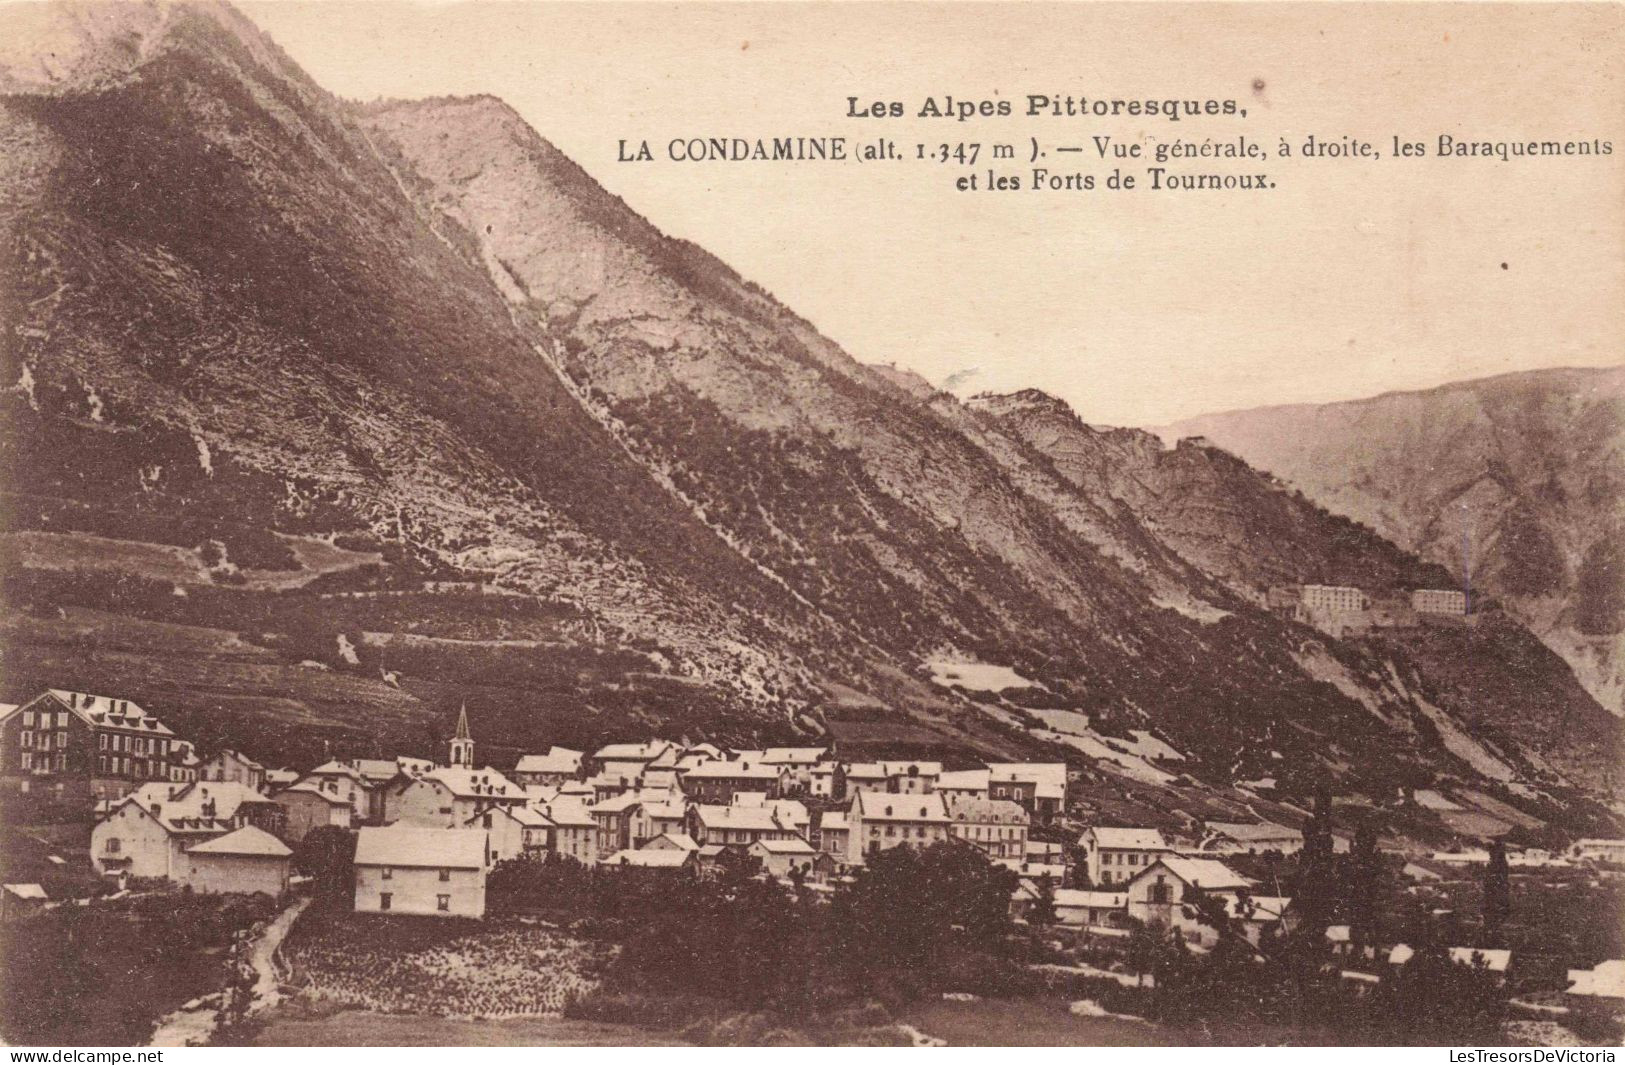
(147, 833)
(780, 856)
(555, 767)
(996, 827)
(514, 832)
(449, 796)
(1157, 895)
(1115, 855)
(964, 784)
(882, 820)
(246, 861)
(314, 803)
(1038, 786)
(1241, 837)
(575, 832)
(230, 765)
(432, 871)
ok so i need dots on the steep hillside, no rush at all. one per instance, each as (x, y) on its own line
(328, 417)
(1519, 480)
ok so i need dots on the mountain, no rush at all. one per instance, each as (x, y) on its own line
(328, 417)
(1518, 481)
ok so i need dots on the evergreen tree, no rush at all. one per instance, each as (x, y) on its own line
(1497, 895)
(1366, 881)
(1042, 911)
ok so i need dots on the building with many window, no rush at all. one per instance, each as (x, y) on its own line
(79, 749)
(436, 872)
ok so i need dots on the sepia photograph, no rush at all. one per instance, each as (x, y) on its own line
(903, 524)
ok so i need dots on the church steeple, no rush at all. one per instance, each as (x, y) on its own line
(462, 743)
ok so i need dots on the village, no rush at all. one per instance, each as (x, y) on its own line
(427, 839)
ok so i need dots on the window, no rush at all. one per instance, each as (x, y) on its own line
(388, 873)
(443, 903)
(28, 719)
(113, 845)
(384, 899)
(445, 876)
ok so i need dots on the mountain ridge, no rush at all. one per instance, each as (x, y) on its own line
(435, 354)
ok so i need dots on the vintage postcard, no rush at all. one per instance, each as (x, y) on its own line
(811, 524)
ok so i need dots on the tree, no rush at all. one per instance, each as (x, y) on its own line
(1042, 911)
(327, 854)
(1366, 881)
(1497, 895)
(1316, 888)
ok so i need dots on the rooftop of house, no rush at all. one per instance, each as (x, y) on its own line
(964, 780)
(885, 769)
(239, 756)
(1607, 980)
(314, 786)
(678, 840)
(738, 818)
(567, 811)
(884, 806)
(32, 892)
(1111, 837)
(105, 711)
(476, 783)
(632, 752)
(1251, 832)
(741, 770)
(1204, 873)
(1037, 772)
(556, 760)
(794, 755)
(423, 848)
(247, 841)
(199, 806)
(794, 845)
(657, 858)
(986, 811)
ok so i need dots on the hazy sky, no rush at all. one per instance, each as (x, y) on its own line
(1351, 277)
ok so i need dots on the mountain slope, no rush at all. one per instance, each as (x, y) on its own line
(328, 417)
(1520, 478)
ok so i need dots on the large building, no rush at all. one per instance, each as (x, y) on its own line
(1334, 599)
(879, 820)
(79, 749)
(148, 832)
(1116, 855)
(996, 827)
(437, 872)
(1439, 601)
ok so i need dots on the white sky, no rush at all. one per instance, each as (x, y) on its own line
(1350, 278)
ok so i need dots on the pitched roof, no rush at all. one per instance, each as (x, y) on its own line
(981, 811)
(26, 891)
(462, 724)
(895, 768)
(1098, 900)
(794, 755)
(1607, 980)
(476, 783)
(199, 806)
(631, 752)
(311, 787)
(795, 845)
(745, 818)
(1035, 772)
(428, 848)
(965, 780)
(1138, 839)
(556, 760)
(678, 840)
(656, 858)
(1496, 961)
(569, 812)
(885, 806)
(753, 770)
(1252, 832)
(248, 840)
(1204, 873)
(107, 712)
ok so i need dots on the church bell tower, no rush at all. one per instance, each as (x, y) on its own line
(462, 744)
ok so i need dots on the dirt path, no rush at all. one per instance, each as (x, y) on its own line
(194, 1023)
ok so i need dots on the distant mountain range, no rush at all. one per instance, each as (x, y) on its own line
(1516, 484)
(325, 418)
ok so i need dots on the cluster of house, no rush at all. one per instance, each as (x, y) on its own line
(427, 834)
(1343, 610)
